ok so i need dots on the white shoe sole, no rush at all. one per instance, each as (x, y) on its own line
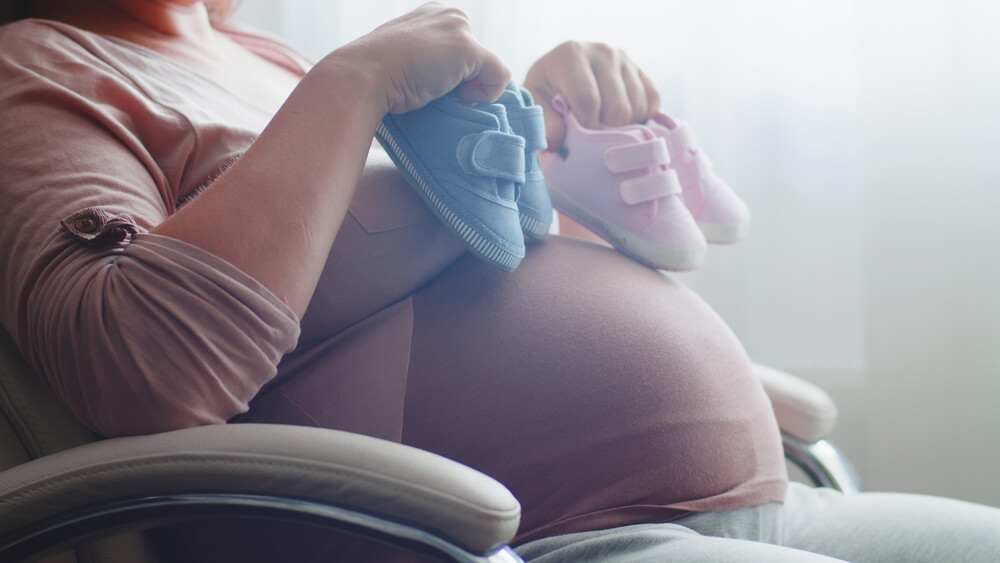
(636, 247)
(722, 233)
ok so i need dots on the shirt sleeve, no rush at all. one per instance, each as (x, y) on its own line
(135, 332)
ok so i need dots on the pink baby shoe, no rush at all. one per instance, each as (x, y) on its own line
(721, 215)
(618, 183)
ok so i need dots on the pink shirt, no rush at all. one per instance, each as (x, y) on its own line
(135, 332)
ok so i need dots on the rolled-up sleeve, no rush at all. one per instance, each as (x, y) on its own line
(135, 332)
(152, 334)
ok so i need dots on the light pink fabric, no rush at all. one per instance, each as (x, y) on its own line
(601, 392)
(147, 333)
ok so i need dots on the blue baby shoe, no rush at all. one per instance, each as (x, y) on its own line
(526, 120)
(467, 166)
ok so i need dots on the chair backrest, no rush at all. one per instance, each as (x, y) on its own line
(31, 414)
(34, 424)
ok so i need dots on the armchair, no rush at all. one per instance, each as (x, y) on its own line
(806, 415)
(75, 488)
(66, 496)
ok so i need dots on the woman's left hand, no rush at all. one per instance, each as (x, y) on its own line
(600, 83)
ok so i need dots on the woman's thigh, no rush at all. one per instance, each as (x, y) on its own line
(389, 245)
(659, 543)
(876, 527)
(813, 525)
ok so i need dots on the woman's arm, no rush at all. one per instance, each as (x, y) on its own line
(143, 319)
(299, 176)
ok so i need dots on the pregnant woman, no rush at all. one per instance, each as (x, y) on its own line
(196, 229)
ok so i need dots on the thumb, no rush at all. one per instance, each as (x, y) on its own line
(486, 85)
(555, 127)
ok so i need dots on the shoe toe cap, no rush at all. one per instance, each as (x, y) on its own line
(723, 207)
(674, 227)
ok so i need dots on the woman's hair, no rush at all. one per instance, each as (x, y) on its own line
(13, 10)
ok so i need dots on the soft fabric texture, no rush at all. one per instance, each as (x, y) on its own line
(527, 120)
(465, 162)
(810, 526)
(602, 392)
(722, 215)
(135, 332)
(616, 182)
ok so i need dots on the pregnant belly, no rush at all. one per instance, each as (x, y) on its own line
(599, 391)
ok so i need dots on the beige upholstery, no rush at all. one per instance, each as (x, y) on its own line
(53, 465)
(41, 423)
(50, 464)
(11, 451)
(297, 462)
(803, 410)
(33, 425)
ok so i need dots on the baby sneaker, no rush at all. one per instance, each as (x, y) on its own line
(467, 166)
(721, 215)
(618, 183)
(526, 120)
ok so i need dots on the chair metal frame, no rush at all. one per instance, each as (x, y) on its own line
(823, 463)
(59, 534)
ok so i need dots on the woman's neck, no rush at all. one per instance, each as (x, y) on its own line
(181, 20)
(180, 30)
(157, 24)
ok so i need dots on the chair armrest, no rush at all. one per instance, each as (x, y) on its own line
(803, 410)
(377, 477)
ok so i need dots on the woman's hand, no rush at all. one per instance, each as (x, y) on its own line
(601, 84)
(425, 54)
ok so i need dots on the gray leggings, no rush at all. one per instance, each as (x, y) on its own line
(811, 526)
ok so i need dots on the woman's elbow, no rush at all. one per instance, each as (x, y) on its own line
(132, 351)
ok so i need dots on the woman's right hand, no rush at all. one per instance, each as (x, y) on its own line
(425, 54)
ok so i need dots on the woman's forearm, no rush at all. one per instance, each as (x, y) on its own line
(275, 212)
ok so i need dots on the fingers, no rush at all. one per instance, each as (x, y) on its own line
(601, 84)
(486, 75)
(634, 91)
(555, 125)
(652, 95)
(488, 80)
(543, 91)
(427, 53)
(626, 93)
(607, 66)
(578, 83)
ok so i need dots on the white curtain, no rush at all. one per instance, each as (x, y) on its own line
(862, 134)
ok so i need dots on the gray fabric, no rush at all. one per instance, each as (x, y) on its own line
(813, 525)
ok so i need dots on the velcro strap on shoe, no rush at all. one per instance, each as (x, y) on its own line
(643, 154)
(533, 122)
(649, 188)
(494, 154)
